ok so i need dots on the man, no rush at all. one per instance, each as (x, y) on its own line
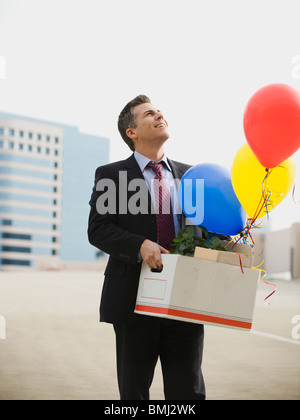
(130, 237)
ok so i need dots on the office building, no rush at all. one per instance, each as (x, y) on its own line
(46, 177)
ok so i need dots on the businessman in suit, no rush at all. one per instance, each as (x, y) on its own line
(130, 237)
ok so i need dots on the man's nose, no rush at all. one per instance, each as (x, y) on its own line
(159, 115)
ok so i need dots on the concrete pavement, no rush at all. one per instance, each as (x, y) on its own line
(55, 348)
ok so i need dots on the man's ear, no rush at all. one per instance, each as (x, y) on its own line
(131, 133)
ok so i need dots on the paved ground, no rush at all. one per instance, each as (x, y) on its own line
(56, 349)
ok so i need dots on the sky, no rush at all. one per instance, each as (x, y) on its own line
(79, 62)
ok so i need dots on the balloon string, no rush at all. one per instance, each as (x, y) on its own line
(245, 235)
(241, 265)
(258, 268)
(293, 195)
(294, 186)
(263, 205)
(262, 279)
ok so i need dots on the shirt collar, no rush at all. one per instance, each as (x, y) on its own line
(143, 161)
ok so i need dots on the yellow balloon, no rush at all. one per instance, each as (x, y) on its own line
(250, 183)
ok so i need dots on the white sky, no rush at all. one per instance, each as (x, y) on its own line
(80, 61)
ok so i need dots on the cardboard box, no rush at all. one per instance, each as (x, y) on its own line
(235, 255)
(200, 291)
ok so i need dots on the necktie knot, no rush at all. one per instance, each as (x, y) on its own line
(157, 168)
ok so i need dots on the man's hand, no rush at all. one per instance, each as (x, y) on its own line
(151, 254)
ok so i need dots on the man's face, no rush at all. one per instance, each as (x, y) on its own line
(150, 124)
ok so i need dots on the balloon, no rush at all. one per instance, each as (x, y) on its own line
(272, 123)
(207, 198)
(247, 176)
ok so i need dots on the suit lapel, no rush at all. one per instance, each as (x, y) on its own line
(134, 172)
(133, 169)
(178, 169)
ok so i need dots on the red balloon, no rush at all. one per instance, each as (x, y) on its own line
(272, 123)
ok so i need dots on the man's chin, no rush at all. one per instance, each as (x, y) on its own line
(165, 137)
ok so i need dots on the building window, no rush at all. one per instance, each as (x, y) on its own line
(5, 222)
(47, 139)
(56, 140)
(29, 148)
(56, 152)
(1, 131)
(10, 144)
(15, 249)
(15, 262)
(16, 236)
(38, 149)
(1, 144)
(47, 151)
(39, 137)
(21, 133)
(11, 132)
(21, 146)
(30, 135)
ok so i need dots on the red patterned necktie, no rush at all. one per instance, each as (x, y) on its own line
(164, 214)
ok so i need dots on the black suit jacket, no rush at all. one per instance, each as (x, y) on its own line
(121, 236)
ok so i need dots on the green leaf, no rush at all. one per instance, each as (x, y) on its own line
(186, 241)
(201, 242)
(213, 242)
(221, 248)
(204, 232)
(188, 233)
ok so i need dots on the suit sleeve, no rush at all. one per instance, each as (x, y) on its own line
(104, 231)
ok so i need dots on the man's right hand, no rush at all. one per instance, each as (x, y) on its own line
(151, 254)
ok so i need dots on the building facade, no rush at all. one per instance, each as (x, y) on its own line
(46, 175)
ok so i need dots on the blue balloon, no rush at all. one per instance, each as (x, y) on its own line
(207, 198)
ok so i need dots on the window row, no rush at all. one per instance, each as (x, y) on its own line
(28, 224)
(40, 251)
(24, 211)
(29, 135)
(30, 159)
(11, 145)
(5, 261)
(33, 173)
(26, 237)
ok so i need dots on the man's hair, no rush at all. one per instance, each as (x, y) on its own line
(127, 119)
